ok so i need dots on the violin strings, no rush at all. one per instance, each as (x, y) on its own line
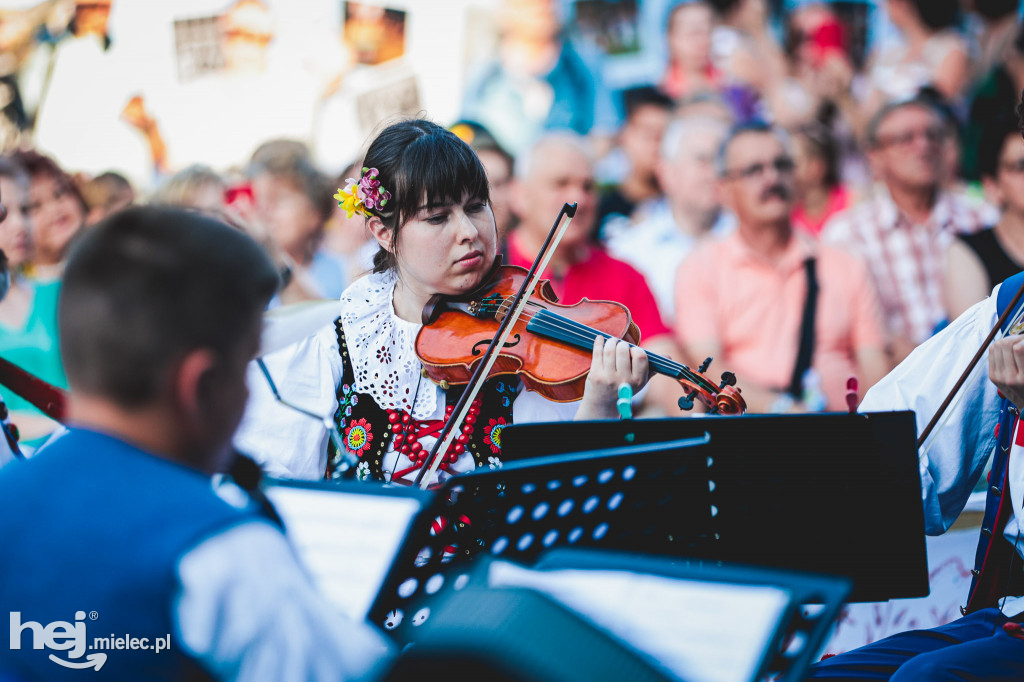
(584, 334)
(581, 332)
(577, 331)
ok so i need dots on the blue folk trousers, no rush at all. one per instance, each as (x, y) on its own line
(974, 647)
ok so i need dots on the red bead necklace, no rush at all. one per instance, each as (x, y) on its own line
(409, 431)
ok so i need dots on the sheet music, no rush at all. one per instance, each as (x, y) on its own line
(698, 631)
(347, 541)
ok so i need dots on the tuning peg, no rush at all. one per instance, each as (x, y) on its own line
(728, 379)
(686, 402)
(704, 365)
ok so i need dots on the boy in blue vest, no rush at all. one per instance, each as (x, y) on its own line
(117, 554)
(988, 642)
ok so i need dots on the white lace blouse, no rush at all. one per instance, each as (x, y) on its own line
(381, 347)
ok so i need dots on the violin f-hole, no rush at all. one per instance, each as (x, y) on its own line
(487, 342)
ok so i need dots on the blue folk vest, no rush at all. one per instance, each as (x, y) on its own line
(993, 558)
(91, 533)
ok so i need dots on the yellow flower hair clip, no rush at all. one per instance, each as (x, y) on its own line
(362, 195)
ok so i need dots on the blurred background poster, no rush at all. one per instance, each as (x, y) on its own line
(374, 34)
(198, 47)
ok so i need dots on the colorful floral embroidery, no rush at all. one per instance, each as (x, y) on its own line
(494, 462)
(358, 437)
(492, 434)
(347, 399)
(506, 394)
(363, 471)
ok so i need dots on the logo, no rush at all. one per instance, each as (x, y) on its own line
(71, 638)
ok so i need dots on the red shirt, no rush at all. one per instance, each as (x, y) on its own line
(603, 278)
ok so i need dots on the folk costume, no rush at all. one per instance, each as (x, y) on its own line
(987, 643)
(159, 554)
(362, 371)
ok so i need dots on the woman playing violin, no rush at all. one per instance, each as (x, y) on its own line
(425, 197)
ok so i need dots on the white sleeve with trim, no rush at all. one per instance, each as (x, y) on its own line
(955, 455)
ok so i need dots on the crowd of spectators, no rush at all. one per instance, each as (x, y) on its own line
(767, 189)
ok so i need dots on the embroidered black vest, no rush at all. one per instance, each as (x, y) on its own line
(367, 430)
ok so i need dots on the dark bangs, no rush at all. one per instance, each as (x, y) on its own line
(421, 163)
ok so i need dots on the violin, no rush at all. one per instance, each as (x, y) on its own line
(549, 347)
(501, 317)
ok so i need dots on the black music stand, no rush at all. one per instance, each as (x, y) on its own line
(814, 600)
(491, 625)
(651, 498)
(834, 494)
(349, 535)
(516, 635)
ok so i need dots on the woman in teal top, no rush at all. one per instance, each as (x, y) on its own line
(28, 313)
(33, 345)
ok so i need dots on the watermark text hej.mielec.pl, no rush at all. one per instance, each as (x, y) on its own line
(71, 637)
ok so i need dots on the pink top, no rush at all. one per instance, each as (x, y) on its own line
(675, 84)
(752, 308)
(838, 199)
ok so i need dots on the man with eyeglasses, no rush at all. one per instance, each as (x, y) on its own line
(792, 319)
(903, 229)
(980, 431)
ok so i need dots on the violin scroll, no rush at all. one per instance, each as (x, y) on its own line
(725, 399)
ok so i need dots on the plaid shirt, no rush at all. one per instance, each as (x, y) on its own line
(907, 260)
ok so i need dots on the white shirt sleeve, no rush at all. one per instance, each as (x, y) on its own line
(248, 611)
(287, 443)
(954, 456)
(531, 407)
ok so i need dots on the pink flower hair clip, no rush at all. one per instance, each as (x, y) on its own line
(364, 194)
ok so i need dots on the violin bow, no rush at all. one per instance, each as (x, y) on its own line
(992, 335)
(47, 398)
(490, 356)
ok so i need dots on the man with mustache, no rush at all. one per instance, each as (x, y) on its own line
(748, 299)
(905, 227)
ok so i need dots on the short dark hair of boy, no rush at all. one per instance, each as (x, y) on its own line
(645, 96)
(148, 285)
(990, 147)
(938, 14)
(996, 9)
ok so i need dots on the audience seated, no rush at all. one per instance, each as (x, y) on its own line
(559, 168)
(537, 82)
(57, 211)
(689, 70)
(663, 233)
(976, 263)
(903, 228)
(647, 115)
(744, 300)
(819, 190)
(28, 312)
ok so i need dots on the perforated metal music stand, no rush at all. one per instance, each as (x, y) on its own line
(835, 494)
(491, 625)
(647, 498)
(800, 634)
